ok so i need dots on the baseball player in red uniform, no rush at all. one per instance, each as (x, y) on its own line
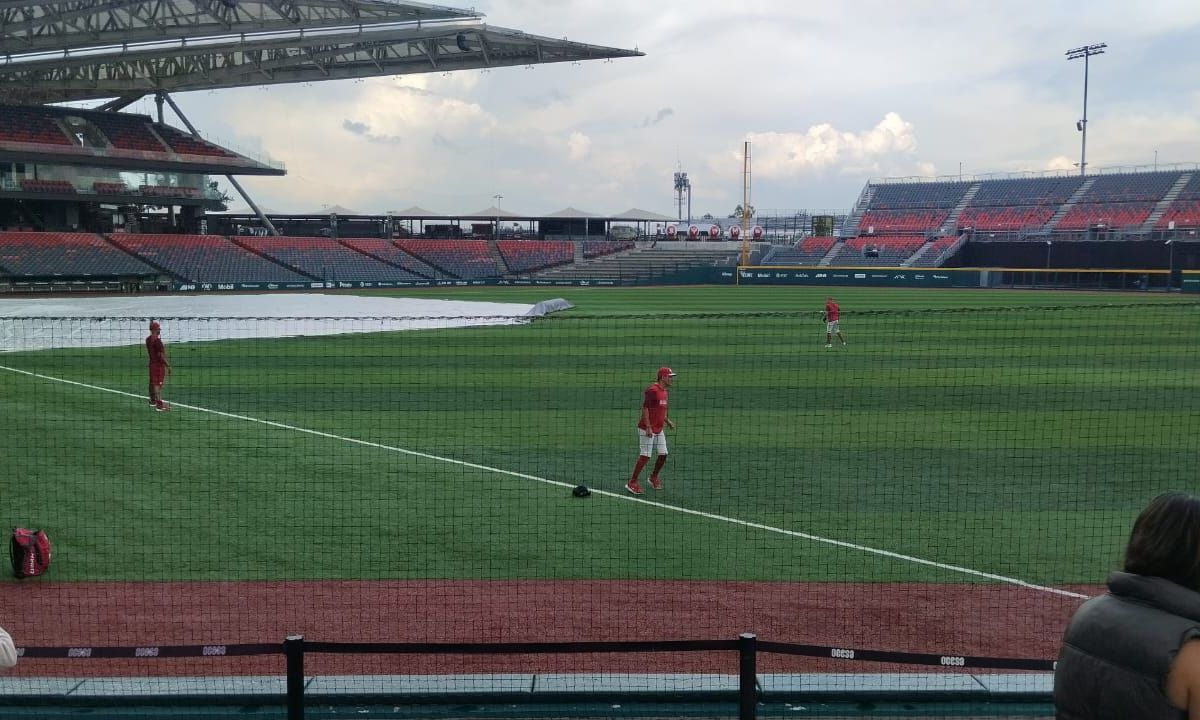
(831, 323)
(159, 367)
(650, 426)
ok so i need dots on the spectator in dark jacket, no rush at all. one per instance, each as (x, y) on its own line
(1134, 652)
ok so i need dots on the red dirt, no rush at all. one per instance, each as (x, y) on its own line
(979, 620)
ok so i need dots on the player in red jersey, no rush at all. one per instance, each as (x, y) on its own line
(831, 323)
(159, 367)
(650, 431)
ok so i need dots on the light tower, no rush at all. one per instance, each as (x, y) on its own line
(1085, 52)
(683, 187)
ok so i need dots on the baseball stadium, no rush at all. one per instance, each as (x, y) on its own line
(393, 467)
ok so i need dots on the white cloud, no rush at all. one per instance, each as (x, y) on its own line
(790, 154)
(578, 146)
(1060, 162)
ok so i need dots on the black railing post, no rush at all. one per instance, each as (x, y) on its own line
(747, 676)
(293, 648)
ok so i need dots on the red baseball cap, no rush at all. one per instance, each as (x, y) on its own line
(665, 371)
(154, 325)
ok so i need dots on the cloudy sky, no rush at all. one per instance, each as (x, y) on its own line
(829, 94)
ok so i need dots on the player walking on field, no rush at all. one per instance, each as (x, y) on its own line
(831, 323)
(651, 436)
(159, 367)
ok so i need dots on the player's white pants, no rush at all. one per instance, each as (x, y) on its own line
(649, 443)
(831, 327)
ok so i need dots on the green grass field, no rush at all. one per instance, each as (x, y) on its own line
(967, 428)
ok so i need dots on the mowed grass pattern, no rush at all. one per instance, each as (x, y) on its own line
(1009, 433)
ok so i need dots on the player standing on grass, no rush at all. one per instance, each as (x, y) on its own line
(159, 367)
(831, 323)
(651, 436)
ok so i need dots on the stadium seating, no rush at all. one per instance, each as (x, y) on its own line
(185, 144)
(997, 218)
(1131, 187)
(1112, 214)
(598, 248)
(66, 254)
(204, 258)
(109, 188)
(934, 252)
(925, 195)
(900, 221)
(30, 125)
(126, 132)
(1185, 211)
(460, 258)
(533, 255)
(892, 250)
(105, 134)
(1191, 191)
(46, 186)
(386, 251)
(808, 251)
(324, 258)
(1016, 192)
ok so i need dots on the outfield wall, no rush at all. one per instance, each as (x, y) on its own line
(875, 276)
(746, 275)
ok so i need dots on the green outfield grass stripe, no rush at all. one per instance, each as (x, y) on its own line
(511, 473)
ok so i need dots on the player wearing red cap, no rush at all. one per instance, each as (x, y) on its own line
(650, 431)
(831, 323)
(159, 367)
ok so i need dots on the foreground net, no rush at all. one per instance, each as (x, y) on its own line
(950, 483)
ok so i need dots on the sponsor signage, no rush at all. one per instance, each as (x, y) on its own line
(900, 277)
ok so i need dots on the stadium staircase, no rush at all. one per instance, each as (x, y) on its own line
(936, 253)
(1163, 204)
(854, 219)
(915, 258)
(497, 257)
(141, 258)
(948, 227)
(833, 251)
(1070, 203)
(273, 261)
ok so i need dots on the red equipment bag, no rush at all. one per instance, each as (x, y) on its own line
(30, 552)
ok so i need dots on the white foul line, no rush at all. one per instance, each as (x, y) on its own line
(620, 496)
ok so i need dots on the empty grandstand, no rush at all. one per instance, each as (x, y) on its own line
(1050, 208)
(524, 256)
(456, 258)
(1184, 210)
(324, 259)
(663, 263)
(809, 251)
(386, 251)
(205, 259)
(73, 255)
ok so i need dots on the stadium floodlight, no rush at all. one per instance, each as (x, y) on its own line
(1085, 52)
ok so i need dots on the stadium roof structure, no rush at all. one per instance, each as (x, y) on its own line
(74, 50)
(571, 213)
(643, 215)
(416, 211)
(492, 213)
